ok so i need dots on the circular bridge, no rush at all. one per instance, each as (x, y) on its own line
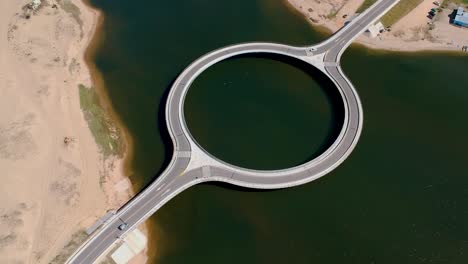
(192, 164)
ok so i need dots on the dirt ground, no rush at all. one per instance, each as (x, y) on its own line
(411, 33)
(52, 189)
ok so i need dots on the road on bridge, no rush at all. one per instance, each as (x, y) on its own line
(191, 164)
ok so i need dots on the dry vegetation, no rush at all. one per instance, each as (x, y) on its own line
(73, 10)
(77, 239)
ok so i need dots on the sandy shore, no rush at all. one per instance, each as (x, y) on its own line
(410, 33)
(56, 181)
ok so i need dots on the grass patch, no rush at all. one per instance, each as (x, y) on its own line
(77, 239)
(399, 11)
(73, 10)
(457, 2)
(365, 5)
(105, 133)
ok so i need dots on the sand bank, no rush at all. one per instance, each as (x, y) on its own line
(56, 180)
(411, 33)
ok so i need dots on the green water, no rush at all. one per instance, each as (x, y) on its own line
(401, 197)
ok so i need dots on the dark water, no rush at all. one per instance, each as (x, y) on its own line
(264, 112)
(147, 44)
(401, 197)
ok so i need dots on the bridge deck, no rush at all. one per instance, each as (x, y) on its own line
(191, 164)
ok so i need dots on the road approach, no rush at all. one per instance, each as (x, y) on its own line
(191, 164)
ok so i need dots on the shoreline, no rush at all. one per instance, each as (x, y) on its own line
(128, 153)
(59, 177)
(385, 41)
(99, 85)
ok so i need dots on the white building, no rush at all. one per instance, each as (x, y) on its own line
(374, 30)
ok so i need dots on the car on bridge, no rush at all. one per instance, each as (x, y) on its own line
(123, 226)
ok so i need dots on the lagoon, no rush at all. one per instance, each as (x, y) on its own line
(402, 195)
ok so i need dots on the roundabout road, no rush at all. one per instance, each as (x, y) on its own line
(191, 164)
(214, 169)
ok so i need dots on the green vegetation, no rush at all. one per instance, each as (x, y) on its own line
(105, 133)
(399, 11)
(77, 239)
(365, 5)
(445, 3)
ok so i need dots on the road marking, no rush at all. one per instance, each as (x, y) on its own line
(168, 190)
(137, 208)
(159, 188)
(144, 204)
(184, 154)
(96, 247)
(206, 171)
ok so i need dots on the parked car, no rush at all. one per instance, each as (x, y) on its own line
(436, 3)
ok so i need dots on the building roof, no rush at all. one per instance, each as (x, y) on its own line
(461, 17)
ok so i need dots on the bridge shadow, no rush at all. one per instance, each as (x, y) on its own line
(164, 130)
(160, 115)
(330, 91)
(327, 85)
(237, 188)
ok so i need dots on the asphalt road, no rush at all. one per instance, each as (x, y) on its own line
(191, 164)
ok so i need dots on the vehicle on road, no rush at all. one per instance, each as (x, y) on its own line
(123, 226)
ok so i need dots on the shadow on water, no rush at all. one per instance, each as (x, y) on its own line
(331, 92)
(232, 187)
(166, 138)
(329, 88)
(162, 127)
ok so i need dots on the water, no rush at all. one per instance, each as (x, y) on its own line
(147, 45)
(402, 195)
(264, 112)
